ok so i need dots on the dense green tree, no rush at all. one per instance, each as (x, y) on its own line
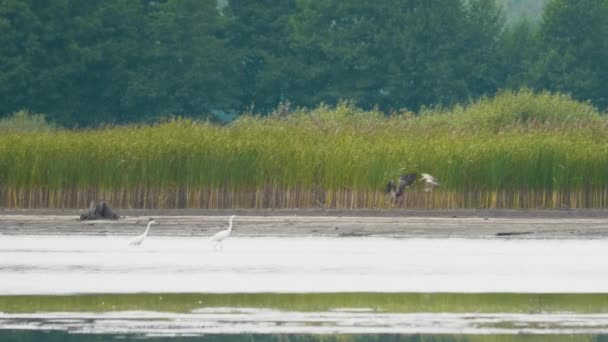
(186, 67)
(19, 46)
(55, 66)
(104, 48)
(519, 48)
(483, 30)
(434, 66)
(574, 36)
(75, 60)
(397, 53)
(339, 48)
(258, 34)
(114, 61)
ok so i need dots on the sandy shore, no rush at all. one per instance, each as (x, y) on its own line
(528, 224)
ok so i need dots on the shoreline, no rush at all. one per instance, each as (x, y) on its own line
(396, 223)
(398, 212)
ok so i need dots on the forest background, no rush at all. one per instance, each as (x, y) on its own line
(86, 63)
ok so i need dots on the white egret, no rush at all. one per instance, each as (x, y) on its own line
(221, 236)
(136, 241)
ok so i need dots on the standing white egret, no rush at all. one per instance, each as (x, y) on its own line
(136, 241)
(221, 236)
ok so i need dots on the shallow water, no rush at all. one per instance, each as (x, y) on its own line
(342, 321)
(299, 289)
(57, 336)
(93, 264)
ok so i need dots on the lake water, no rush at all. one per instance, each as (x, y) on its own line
(411, 288)
(82, 264)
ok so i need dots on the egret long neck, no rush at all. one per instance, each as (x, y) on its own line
(148, 228)
(230, 226)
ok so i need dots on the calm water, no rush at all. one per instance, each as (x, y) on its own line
(61, 265)
(343, 321)
(31, 336)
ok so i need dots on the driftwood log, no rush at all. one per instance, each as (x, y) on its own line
(99, 211)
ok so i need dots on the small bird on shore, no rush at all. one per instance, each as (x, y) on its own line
(136, 241)
(222, 235)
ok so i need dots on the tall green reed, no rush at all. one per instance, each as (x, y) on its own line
(518, 149)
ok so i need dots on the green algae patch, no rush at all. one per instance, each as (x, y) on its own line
(309, 302)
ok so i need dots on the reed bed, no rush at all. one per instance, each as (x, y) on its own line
(516, 150)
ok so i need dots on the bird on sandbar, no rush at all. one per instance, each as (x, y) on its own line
(222, 235)
(136, 241)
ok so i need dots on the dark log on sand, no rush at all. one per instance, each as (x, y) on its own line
(99, 211)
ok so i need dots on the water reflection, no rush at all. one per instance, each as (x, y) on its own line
(265, 321)
(94, 264)
(291, 289)
(54, 336)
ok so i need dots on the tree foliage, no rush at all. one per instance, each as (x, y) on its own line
(114, 61)
(574, 56)
(259, 36)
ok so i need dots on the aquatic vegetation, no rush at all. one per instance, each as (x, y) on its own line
(377, 302)
(516, 150)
